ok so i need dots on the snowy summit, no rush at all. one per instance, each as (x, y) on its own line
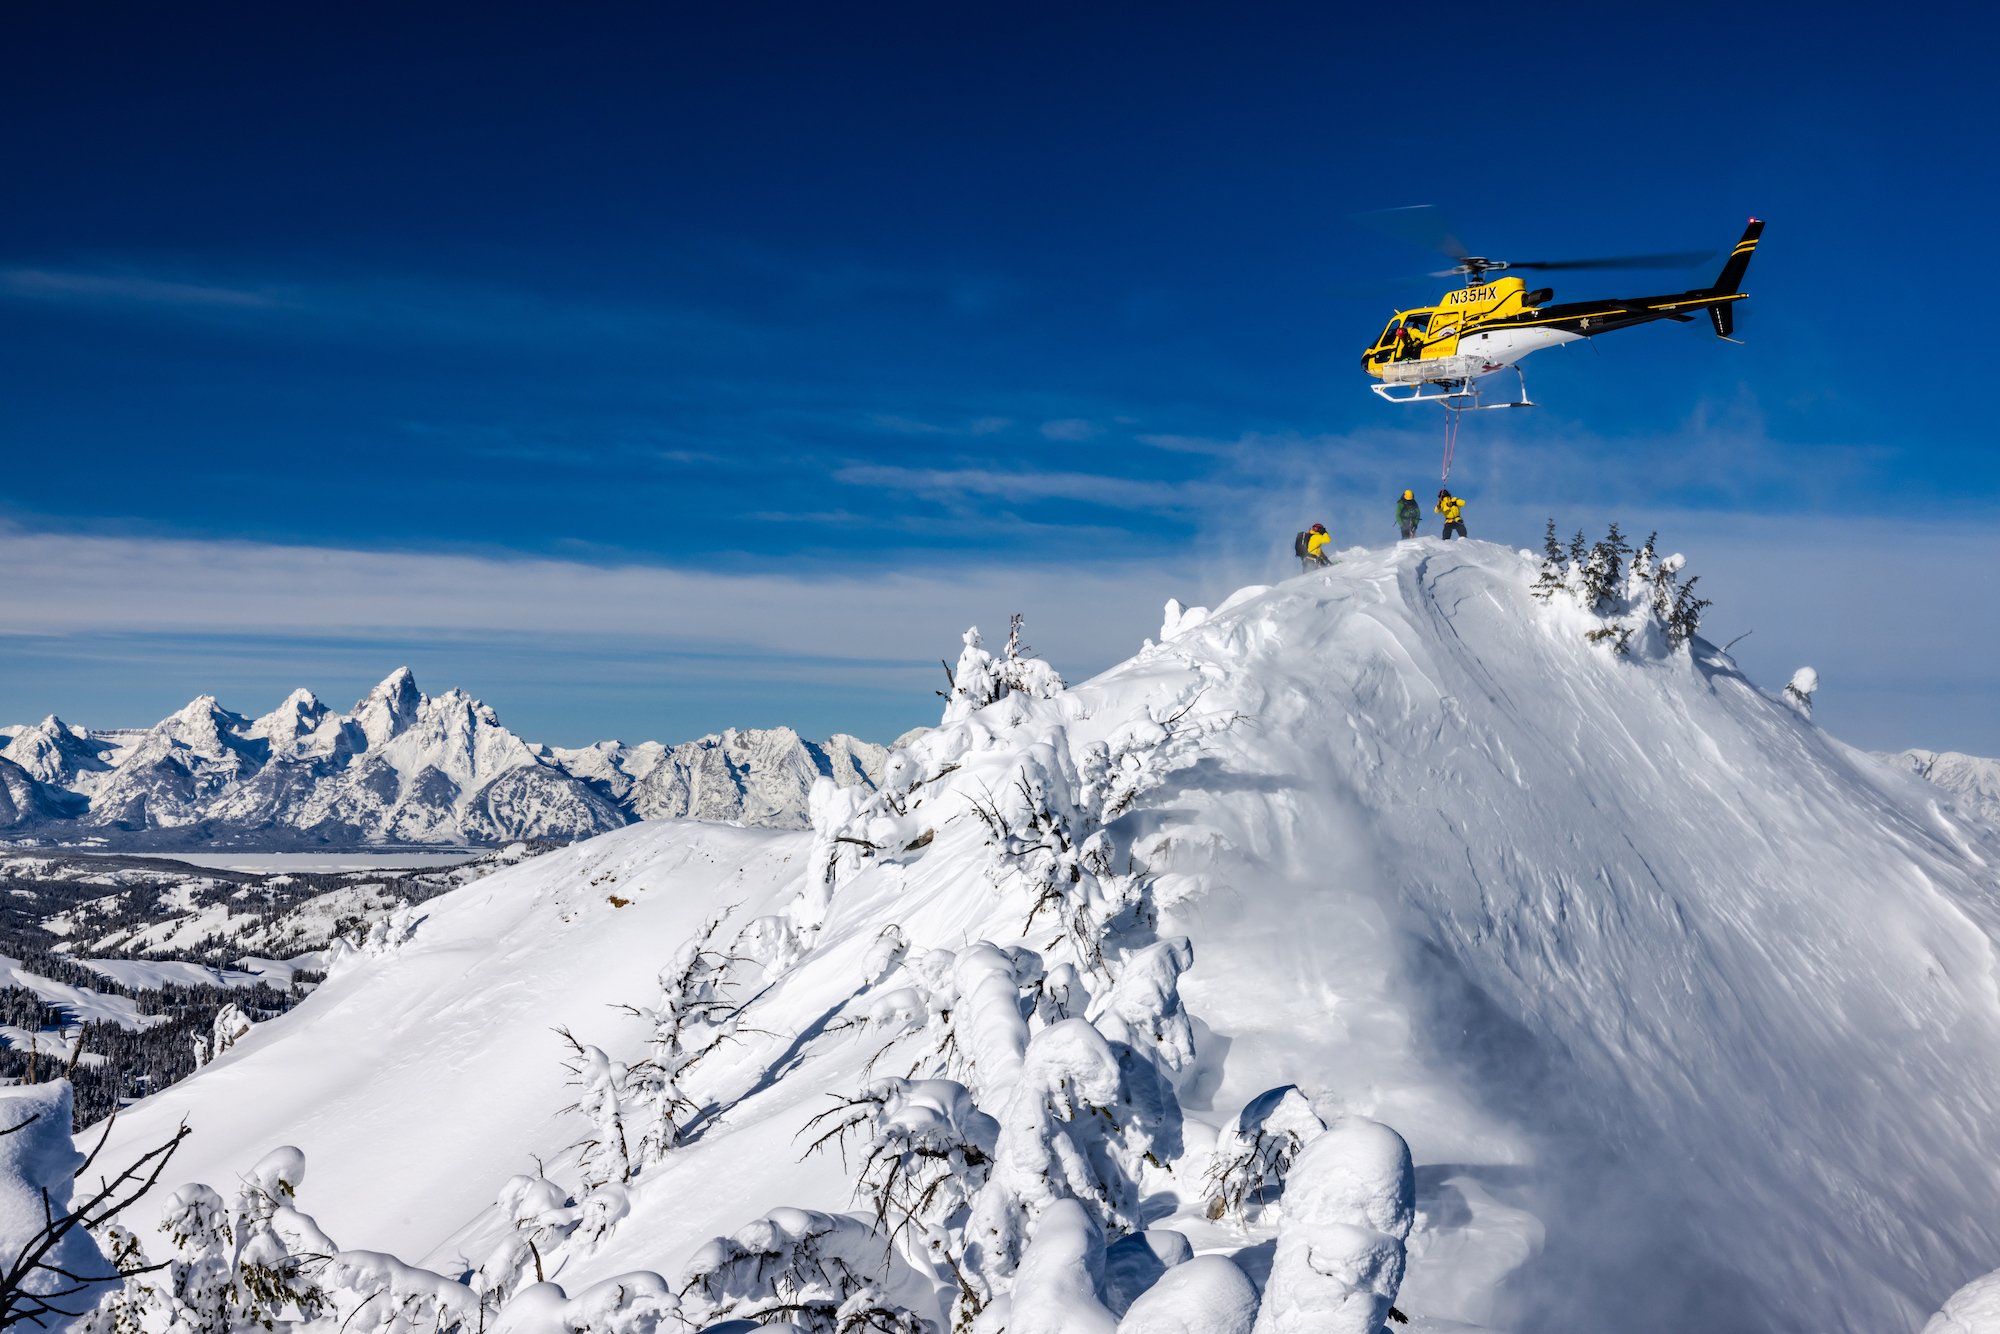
(1387, 940)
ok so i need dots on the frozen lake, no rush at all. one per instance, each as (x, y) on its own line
(363, 860)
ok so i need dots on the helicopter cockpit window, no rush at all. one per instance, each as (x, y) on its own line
(1393, 335)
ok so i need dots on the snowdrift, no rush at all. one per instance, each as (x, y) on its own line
(1685, 1012)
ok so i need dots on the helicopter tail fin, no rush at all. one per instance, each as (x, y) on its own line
(1725, 319)
(1731, 277)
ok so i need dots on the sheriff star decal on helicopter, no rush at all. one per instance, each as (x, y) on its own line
(1441, 353)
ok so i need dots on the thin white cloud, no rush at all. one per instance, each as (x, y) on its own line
(904, 425)
(944, 483)
(1187, 444)
(57, 285)
(901, 425)
(402, 307)
(1069, 428)
(73, 585)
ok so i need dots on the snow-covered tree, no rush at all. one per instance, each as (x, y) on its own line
(696, 1012)
(541, 1216)
(1549, 578)
(231, 1027)
(824, 1273)
(1256, 1151)
(1604, 571)
(51, 1268)
(1641, 605)
(1142, 1008)
(638, 1303)
(1349, 1204)
(1082, 1118)
(1061, 1273)
(925, 1150)
(1800, 689)
(982, 678)
(232, 1267)
(605, 1153)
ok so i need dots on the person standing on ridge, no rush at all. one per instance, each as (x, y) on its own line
(1310, 547)
(1453, 510)
(1409, 514)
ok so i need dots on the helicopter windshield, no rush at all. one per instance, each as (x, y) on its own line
(1414, 322)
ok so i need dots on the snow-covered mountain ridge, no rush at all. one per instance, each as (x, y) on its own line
(401, 768)
(1686, 1011)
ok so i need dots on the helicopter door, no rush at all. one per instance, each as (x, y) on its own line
(1442, 340)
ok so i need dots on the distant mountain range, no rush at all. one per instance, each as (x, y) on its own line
(1974, 780)
(401, 767)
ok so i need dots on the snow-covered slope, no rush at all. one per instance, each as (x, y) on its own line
(27, 802)
(1687, 1011)
(401, 767)
(1974, 780)
(55, 753)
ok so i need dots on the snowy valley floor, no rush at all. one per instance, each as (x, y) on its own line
(1687, 1011)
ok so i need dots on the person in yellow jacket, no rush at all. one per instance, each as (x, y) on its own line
(1453, 510)
(1311, 547)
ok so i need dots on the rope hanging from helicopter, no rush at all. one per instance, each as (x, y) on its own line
(1451, 419)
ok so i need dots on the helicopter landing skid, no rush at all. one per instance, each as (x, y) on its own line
(1452, 395)
(1456, 395)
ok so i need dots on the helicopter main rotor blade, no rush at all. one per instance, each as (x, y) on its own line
(1423, 224)
(1380, 289)
(1674, 259)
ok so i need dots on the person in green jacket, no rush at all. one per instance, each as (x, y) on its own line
(1409, 514)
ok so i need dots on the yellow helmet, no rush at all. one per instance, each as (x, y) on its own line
(1409, 495)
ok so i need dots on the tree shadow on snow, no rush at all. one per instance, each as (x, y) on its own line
(788, 1060)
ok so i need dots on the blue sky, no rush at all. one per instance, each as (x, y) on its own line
(332, 340)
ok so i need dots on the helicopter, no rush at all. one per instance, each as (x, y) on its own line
(1441, 353)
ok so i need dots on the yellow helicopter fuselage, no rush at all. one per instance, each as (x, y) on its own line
(1469, 321)
(1487, 327)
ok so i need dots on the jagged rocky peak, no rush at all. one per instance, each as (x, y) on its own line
(457, 703)
(610, 766)
(390, 707)
(458, 735)
(296, 718)
(761, 776)
(204, 727)
(52, 751)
